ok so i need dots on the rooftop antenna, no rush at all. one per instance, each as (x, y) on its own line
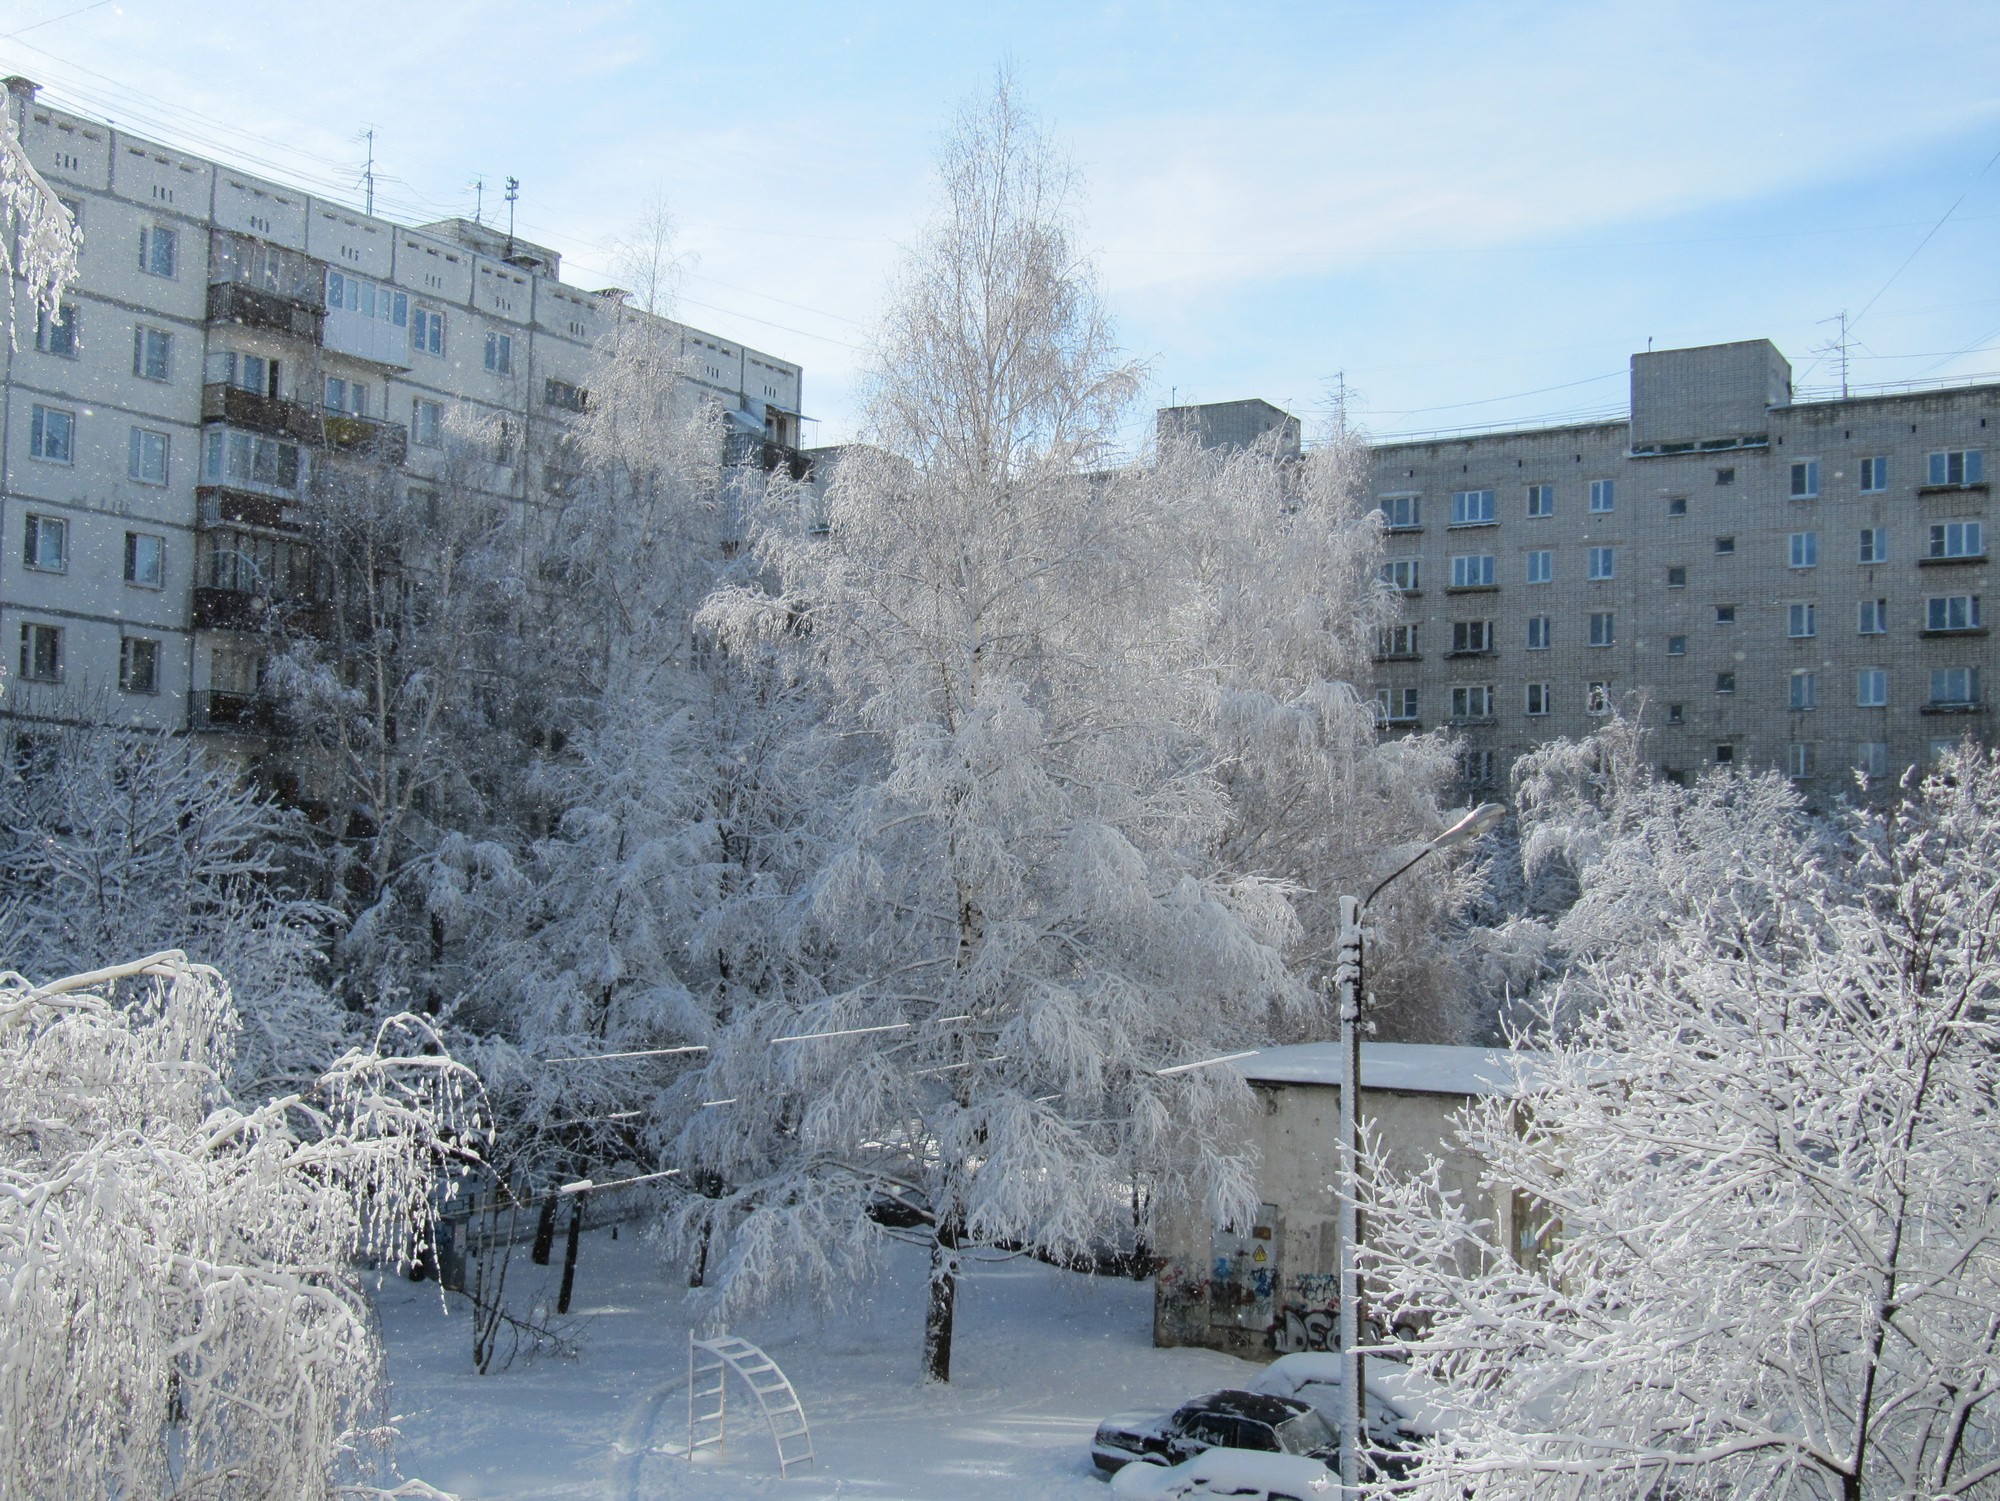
(513, 192)
(368, 172)
(478, 200)
(1338, 394)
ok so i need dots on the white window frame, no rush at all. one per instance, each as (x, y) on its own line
(1874, 474)
(1873, 547)
(1677, 646)
(1603, 563)
(1955, 466)
(1542, 566)
(1801, 620)
(1805, 479)
(1603, 628)
(1943, 607)
(1542, 626)
(499, 352)
(1802, 758)
(1804, 694)
(45, 543)
(39, 424)
(1541, 502)
(145, 341)
(1471, 701)
(427, 333)
(1872, 618)
(1957, 539)
(426, 422)
(1871, 688)
(1871, 758)
(1802, 551)
(1472, 570)
(46, 329)
(151, 261)
(1402, 513)
(1536, 699)
(143, 443)
(1963, 677)
(1597, 696)
(1404, 575)
(136, 551)
(129, 653)
(34, 632)
(1603, 496)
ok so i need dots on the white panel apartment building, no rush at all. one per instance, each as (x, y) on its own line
(227, 333)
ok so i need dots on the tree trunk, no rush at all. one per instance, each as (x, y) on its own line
(545, 1232)
(941, 1311)
(569, 1254)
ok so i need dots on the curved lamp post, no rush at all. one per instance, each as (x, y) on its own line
(1348, 976)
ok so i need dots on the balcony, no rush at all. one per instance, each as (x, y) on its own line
(234, 610)
(241, 713)
(222, 505)
(1951, 560)
(253, 307)
(386, 441)
(259, 413)
(1952, 706)
(1975, 487)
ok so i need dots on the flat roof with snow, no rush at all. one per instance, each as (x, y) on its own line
(1409, 1067)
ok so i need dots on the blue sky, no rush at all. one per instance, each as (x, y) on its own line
(1475, 212)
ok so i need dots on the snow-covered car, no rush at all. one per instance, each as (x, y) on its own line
(1242, 1474)
(1400, 1402)
(1220, 1420)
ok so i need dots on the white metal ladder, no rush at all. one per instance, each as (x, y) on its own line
(709, 1363)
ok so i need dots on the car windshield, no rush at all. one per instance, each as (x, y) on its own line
(1305, 1432)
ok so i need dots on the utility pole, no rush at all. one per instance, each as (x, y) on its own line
(513, 193)
(1353, 1409)
(368, 172)
(478, 200)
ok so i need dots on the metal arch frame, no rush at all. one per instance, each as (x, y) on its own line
(761, 1374)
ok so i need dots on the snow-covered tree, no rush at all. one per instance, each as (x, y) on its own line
(180, 1309)
(1763, 1166)
(39, 241)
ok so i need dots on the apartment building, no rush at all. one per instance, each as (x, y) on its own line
(229, 334)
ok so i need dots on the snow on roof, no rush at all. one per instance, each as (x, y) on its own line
(1413, 1067)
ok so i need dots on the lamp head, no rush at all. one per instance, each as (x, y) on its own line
(1471, 826)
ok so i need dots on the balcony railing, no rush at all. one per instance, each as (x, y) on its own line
(259, 413)
(240, 713)
(387, 441)
(223, 505)
(235, 610)
(253, 307)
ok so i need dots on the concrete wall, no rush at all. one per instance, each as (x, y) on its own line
(1716, 391)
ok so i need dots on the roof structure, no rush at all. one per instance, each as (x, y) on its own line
(1404, 1067)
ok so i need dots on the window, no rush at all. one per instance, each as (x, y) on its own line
(159, 248)
(1603, 562)
(500, 353)
(1474, 701)
(1472, 508)
(1471, 636)
(1541, 567)
(1805, 479)
(1538, 698)
(1801, 620)
(47, 545)
(348, 396)
(146, 456)
(1597, 697)
(1871, 758)
(1539, 634)
(1725, 682)
(250, 460)
(1401, 574)
(145, 560)
(1943, 745)
(1725, 755)
(1801, 758)
(356, 294)
(1724, 546)
(1874, 545)
(246, 372)
(1396, 641)
(1541, 500)
(1677, 646)
(1396, 705)
(235, 671)
(426, 422)
(1958, 539)
(1875, 474)
(561, 394)
(253, 563)
(1871, 688)
(1603, 494)
(1873, 618)
(1677, 578)
(1725, 614)
(427, 331)
(139, 665)
(52, 435)
(1476, 767)
(1954, 685)
(1952, 612)
(1725, 476)
(1677, 505)
(1676, 714)
(1804, 550)
(1472, 571)
(152, 353)
(41, 653)
(1958, 466)
(1400, 512)
(56, 335)
(1805, 688)
(1603, 628)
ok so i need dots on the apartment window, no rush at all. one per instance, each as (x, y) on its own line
(427, 331)
(52, 435)
(1603, 562)
(1538, 698)
(1400, 512)
(1725, 614)
(1603, 628)
(564, 396)
(139, 665)
(1725, 754)
(246, 372)
(1952, 612)
(1805, 479)
(159, 250)
(1944, 745)
(1476, 767)
(426, 422)
(1396, 641)
(1874, 544)
(1396, 705)
(1472, 571)
(1401, 574)
(251, 460)
(145, 560)
(356, 294)
(1805, 689)
(56, 335)
(1958, 539)
(1875, 474)
(1676, 714)
(146, 456)
(1954, 685)
(1541, 567)
(1471, 636)
(1677, 505)
(1541, 500)
(1871, 688)
(1603, 494)
(1597, 697)
(1873, 618)
(47, 544)
(1472, 701)
(1801, 620)
(1724, 546)
(347, 396)
(1725, 682)
(41, 653)
(1958, 466)
(1802, 758)
(500, 353)
(1804, 550)
(1677, 646)
(1539, 634)
(152, 353)
(1725, 476)
(1472, 508)
(1871, 758)
(1677, 578)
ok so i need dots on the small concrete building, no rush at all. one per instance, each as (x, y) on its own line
(1273, 1288)
(1232, 424)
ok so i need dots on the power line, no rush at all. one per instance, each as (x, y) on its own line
(38, 25)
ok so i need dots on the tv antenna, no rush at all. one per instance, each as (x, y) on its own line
(513, 193)
(478, 200)
(1838, 346)
(368, 172)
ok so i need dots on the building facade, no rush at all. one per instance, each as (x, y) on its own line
(227, 335)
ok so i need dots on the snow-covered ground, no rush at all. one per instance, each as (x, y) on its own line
(1040, 1356)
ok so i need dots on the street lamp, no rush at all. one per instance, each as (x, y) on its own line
(1348, 975)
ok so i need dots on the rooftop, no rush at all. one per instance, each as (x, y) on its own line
(1406, 1067)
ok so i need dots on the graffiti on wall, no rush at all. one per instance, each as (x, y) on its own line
(1243, 1272)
